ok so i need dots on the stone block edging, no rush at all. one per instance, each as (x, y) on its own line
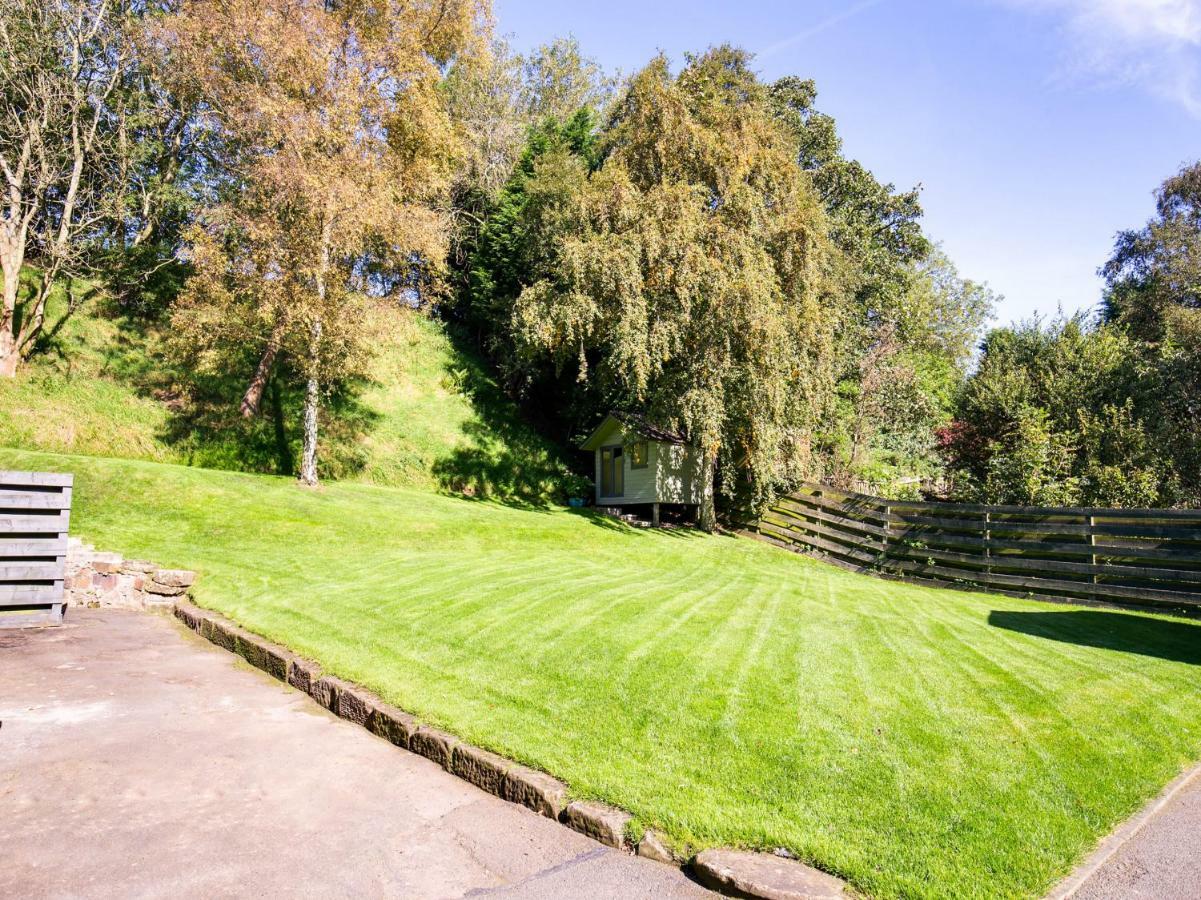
(495, 774)
(488, 771)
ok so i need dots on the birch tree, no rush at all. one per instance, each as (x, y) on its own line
(695, 280)
(62, 63)
(343, 153)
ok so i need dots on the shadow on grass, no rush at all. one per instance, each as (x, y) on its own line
(501, 457)
(608, 523)
(506, 460)
(204, 424)
(1175, 640)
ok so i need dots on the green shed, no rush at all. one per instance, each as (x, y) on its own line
(640, 464)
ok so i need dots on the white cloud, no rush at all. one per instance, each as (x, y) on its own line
(1154, 44)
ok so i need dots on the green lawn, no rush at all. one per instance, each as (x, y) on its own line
(914, 741)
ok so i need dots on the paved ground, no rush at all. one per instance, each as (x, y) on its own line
(136, 760)
(1162, 861)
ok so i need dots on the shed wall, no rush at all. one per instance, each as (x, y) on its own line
(676, 474)
(667, 478)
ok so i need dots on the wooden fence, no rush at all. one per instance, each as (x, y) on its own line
(1128, 556)
(35, 509)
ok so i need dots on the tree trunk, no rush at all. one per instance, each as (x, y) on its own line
(8, 351)
(253, 398)
(312, 396)
(312, 399)
(708, 512)
(10, 262)
(34, 317)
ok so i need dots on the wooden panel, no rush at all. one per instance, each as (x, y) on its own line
(34, 524)
(1049, 565)
(858, 509)
(24, 570)
(927, 523)
(38, 479)
(49, 546)
(51, 614)
(25, 594)
(828, 547)
(1074, 511)
(831, 532)
(34, 517)
(56, 499)
(831, 519)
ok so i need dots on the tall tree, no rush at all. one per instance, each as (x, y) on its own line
(558, 79)
(883, 362)
(1153, 283)
(909, 375)
(344, 153)
(694, 275)
(1057, 414)
(1153, 278)
(62, 66)
(496, 101)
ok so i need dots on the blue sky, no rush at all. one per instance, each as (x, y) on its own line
(1037, 128)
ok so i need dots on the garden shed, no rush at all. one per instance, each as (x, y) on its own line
(640, 464)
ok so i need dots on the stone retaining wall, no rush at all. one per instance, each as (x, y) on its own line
(770, 876)
(95, 578)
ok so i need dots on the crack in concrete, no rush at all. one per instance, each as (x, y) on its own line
(542, 873)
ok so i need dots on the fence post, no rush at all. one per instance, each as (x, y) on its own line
(1092, 542)
(887, 526)
(987, 550)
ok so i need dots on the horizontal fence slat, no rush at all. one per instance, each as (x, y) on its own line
(34, 524)
(25, 594)
(835, 549)
(1044, 585)
(32, 571)
(11, 499)
(1193, 515)
(50, 546)
(1173, 532)
(855, 509)
(831, 519)
(1135, 556)
(41, 479)
(922, 539)
(38, 615)
(835, 533)
(1050, 565)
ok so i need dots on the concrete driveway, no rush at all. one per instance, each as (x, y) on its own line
(137, 760)
(1156, 856)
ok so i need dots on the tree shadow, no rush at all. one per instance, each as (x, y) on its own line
(1177, 640)
(203, 422)
(206, 426)
(506, 460)
(608, 523)
(501, 456)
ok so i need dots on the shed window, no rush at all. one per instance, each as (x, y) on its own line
(638, 455)
(612, 472)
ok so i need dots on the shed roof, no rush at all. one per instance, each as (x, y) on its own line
(637, 424)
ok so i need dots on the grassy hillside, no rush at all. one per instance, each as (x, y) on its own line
(919, 742)
(427, 416)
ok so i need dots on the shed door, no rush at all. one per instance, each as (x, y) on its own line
(612, 472)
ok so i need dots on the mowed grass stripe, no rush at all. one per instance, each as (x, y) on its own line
(920, 743)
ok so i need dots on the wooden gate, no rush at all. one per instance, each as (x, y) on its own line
(35, 508)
